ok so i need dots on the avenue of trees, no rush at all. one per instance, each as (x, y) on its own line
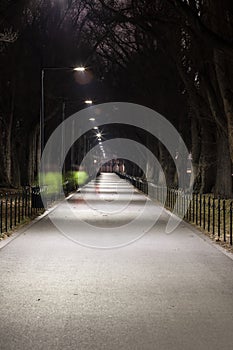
(174, 56)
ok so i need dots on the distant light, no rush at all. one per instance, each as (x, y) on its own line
(99, 139)
(80, 69)
(95, 128)
(99, 134)
(88, 102)
(95, 161)
(100, 143)
(189, 171)
(92, 119)
(190, 156)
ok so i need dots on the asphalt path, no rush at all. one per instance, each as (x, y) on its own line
(100, 272)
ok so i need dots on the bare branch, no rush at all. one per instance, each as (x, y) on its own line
(8, 36)
(194, 21)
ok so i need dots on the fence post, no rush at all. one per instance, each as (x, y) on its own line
(200, 210)
(231, 223)
(194, 200)
(190, 208)
(213, 211)
(15, 212)
(22, 208)
(204, 208)
(209, 205)
(219, 218)
(11, 213)
(6, 213)
(197, 209)
(183, 204)
(25, 202)
(175, 197)
(30, 199)
(224, 220)
(1, 205)
(18, 207)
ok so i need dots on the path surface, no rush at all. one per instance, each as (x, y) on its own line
(164, 292)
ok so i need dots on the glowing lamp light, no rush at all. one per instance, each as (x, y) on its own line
(92, 119)
(88, 102)
(79, 69)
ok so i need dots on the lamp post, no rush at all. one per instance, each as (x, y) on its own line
(42, 106)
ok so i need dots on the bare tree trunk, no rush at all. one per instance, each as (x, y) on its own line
(223, 184)
(196, 151)
(8, 147)
(226, 93)
(208, 158)
(15, 167)
(204, 157)
(3, 175)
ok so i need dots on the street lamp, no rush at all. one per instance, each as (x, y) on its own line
(42, 107)
(88, 102)
(79, 69)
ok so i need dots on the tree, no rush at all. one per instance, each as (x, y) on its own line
(183, 30)
(47, 33)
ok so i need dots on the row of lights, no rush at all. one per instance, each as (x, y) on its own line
(99, 138)
(98, 133)
(90, 102)
(83, 69)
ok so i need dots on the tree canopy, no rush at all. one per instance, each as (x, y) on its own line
(172, 55)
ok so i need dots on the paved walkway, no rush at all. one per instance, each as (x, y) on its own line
(164, 292)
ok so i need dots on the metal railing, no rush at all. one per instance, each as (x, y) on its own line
(213, 215)
(17, 207)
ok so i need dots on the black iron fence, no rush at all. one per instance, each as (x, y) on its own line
(214, 215)
(17, 207)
